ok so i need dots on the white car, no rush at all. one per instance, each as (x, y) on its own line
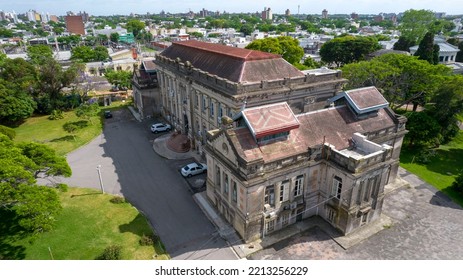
(160, 127)
(193, 169)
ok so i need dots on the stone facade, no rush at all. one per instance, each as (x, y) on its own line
(200, 83)
(269, 168)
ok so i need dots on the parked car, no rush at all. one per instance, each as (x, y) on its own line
(193, 169)
(108, 114)
(160, 127)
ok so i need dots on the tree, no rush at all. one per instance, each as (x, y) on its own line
(52, 78)
(114, 37)
(35, 206)
(87, 111)
(403, 79)
(100, 53)
(427, 50)
(415, 24)
(120, 79)
(15, 105)
(447, 105)
(347, 49)
(459, 57)
(310, 63)
(423, 129)
(286, 46)
(82, 53)
(39, 53)
(404, 44)
(135, 26)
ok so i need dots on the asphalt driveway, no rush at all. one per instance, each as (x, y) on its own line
(131, 168)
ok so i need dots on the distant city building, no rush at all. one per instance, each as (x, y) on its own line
(379, 18)
(267, 14)
(324, 14)
(54, 18)
(288, 12)
(75, 25)
(45, 17)
(203, 13)
(439, 15)
(85, 16)
(354, 16)
(31, 15)
(2, 15)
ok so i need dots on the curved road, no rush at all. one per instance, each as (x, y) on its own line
(130, 167)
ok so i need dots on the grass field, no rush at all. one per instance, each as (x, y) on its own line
(442, 168)
(51, 132)
(89, 223)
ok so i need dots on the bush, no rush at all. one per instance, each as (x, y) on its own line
(8, 131)
(425, 156)
(62, 187)
(458, 184)
(149, 240)
(112, 252)
(117, 200)
(56, 115)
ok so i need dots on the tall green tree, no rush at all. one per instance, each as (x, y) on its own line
(404, 44)
(415, 23)
(119, 79)
(427, 50)
(39, 53)
(447, 105)
(15, 104)
(403, 79)
(35, 206)
(114, 37)
(348, 49)
(286, 46)
(135, 26)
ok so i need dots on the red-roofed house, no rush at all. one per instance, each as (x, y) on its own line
(202, 82)
(272, 168)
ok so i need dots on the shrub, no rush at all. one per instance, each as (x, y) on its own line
(425, 156)
(148, 240)
(62, 187)
(458, 184)
(112, 252)
(117, 200)
(8, 131)
(56, 115)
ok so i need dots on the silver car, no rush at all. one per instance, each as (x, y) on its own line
(160, 127)
(193, 169)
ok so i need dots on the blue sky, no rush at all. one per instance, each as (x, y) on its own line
(110, 7)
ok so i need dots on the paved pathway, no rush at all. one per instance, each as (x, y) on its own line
(425, 225)
(131, 168)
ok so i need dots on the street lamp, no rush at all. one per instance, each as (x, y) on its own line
(98, 168)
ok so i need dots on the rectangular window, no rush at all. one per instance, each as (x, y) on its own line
(204, 103)
(217, 178)
(336, 188)
(298, 185)
(270, 196)
(197, 101)
(270, 226)
(284, 191)
(211, 107)
(225, 183)
(331, 215)
(366, 194)
(284, 220)
(234, 192)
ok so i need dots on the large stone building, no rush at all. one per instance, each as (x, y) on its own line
(270, 168)
(199, 83)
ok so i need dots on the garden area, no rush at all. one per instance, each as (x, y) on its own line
(438, 167)
(90, 226)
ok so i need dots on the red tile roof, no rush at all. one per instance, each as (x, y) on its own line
(234, 64)
(270, 119)
(334, 126)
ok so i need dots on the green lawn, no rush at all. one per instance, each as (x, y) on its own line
(442, 168)
(41, 129)
(88, 223)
